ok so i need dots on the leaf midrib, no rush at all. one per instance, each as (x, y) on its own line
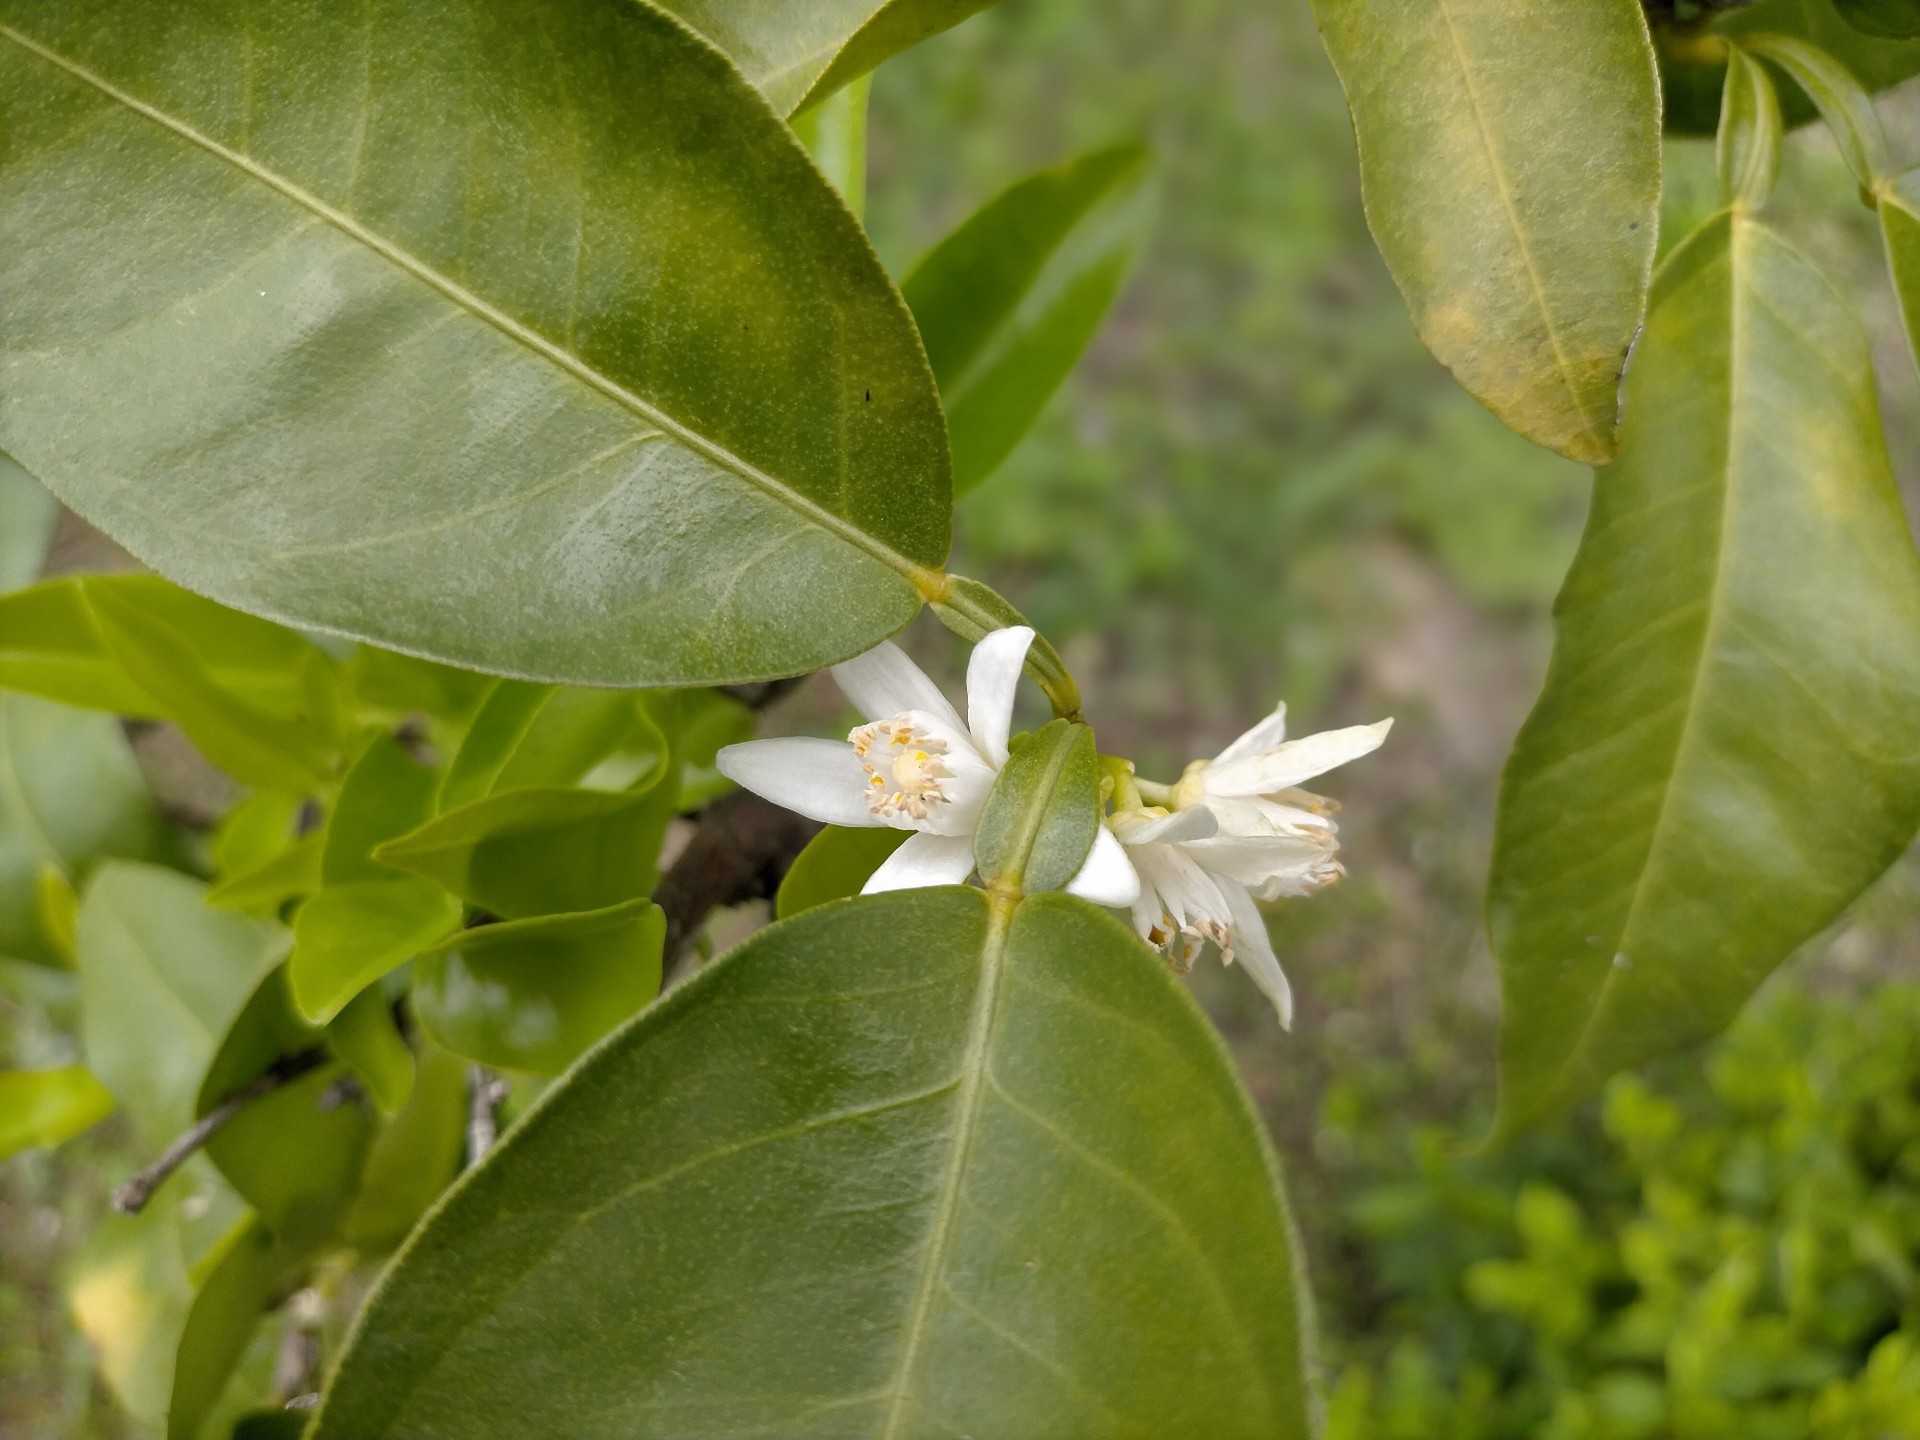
(1610, 983)
(925, 580)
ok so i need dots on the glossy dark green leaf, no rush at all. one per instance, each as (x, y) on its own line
(386, 793)
(541, 852)
(295, 1154)
(1043, 812)
(1510, 163)
(367, 1038)
(835, 134)
(163, 978)
(348, 936)
(1693, 59)
(1900, 228)
(1886, 19)
(28, 515)
(796, 54)
(414, 1157)
(910, 1166)
(460, 336)
(49, 1107)
(835, 864)
(244, 1275)
(1008, 301)
(1727, 750)
(534, 994)
(71, 793)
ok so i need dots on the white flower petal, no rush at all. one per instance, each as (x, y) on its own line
(821, 779)
(1264, 736)
(1106, 876)
(1257, 816)
(993, 675)
(1253, 948)
(883, 682)
(1140, 827)
(1286, 766)
(1286, 861)
(924, 860)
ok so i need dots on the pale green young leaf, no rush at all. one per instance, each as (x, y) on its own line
(294, 872)
(163, 978)
(49, 646)
(907, 1167)
(835, 134)
(798, 54)
(394, 687)
(245, 1274)
(1510, 164)
(1842, 100)
(1747, 148)
(1900, 229)
(348, 936)
(366, 1037)
(573, 734)
(835, 864)
(256, 828)
(56, 909)
(1008, 301)
(695, 725)
(49, 1107)
(1727, 750)
(295, 1155)
(532, 995)
(387, 792)
(414, 1156)
(541, 852)
(499, 725)
(456, 351)
(28, 515)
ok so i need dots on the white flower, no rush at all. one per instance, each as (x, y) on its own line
(915, 766)
(1240, 829)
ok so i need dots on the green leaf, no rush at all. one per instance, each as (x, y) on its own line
(835, 864)
(1840, 98)
(366, 1037)
(247, 1272)
(835, 134)
(972, 610)
(396, 687)
(1747, 149)
(1510, 163)
(695, 725)
(49, 646)
(499, 725)
(1727, 750)
(296, 1154)
(1008, 301)
(1888, 19)
(541, 852)
(797, 54)
(260, 826)
(294, 751)
(414, 1157)
(1693, 60)
(348, 936)
(572, 734)
(48, 1107)
(294, 872)
(386, 793)
(909, 1166)
(619, 344)
(1900, 228)
(163, 979)
(1043, 812)
(28, 517)
(534, 994)
(71, 793)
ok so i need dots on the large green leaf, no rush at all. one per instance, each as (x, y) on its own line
(1727, 750)
(1510, 161)
(904, 1166)
(70, 793)
(28, 515)
(1900, 226)
(1007, 302)
(515, 333)
(533, 994)
(797, 54)
(163, 979)
(1693, 60)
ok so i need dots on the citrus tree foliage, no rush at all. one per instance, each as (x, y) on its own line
(503, 398)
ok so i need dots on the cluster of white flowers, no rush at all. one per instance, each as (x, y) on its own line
(1190, 866)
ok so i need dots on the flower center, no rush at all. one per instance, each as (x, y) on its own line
(905, 774)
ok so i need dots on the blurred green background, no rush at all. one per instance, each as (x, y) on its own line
(1259, 485)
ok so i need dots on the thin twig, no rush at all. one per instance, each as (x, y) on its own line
(741, 852)
(132, 1197)
(485, 1091)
